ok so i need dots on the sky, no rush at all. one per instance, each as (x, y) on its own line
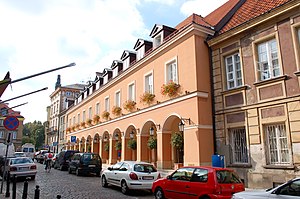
(40, 35)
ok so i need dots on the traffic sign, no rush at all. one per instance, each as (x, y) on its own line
(73, 138)
(11, 123)
(8, 140)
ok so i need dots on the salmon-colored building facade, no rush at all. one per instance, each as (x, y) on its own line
(176, 58)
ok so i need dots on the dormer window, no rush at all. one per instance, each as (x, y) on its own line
(140, 53)
(141, 47)
(157, 40)
(126, 63)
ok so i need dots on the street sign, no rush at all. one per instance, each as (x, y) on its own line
(11, 123)
(73, 138)
(8, 140)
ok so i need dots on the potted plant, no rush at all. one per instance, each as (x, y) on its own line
(89, 148)
(68, 129)
(116, 110)
(77, 126)
(73, 128)
(89, 122)
(152, 143)
(129, 105)
(106, 147)
(131, 144)
(96, 119)
(105, 115)
(82, 124)
(170, 89)
(118, 145)
(177, 143)
(147, 98)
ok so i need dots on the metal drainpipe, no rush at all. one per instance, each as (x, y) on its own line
(212, 97)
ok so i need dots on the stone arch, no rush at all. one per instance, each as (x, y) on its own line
(147, 154)
(88, 142)
(168, 152)
(130, 136)
(116, 139)
(105, 146)
(96, 143)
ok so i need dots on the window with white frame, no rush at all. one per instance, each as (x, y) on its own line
(118, 99)
(233, 71)
(276, 141)
(73, 120)
(140, 53)
(83, 116)
(126, 63)
(14, 133)
(268, 63)
(149, 83)
(106, 101)
(171, 70)
(78, 118)
(1, 122)
(238, 144)
(98, 108)
(157, 40)
(90, 112)
(131, 92)
(1, 134)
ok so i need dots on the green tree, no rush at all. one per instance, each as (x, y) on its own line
(35, 133)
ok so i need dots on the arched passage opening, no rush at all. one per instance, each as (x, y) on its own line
(130, 141)
(88, 144)
(96, 143)
(105, 147)
(82, 145)
(148, 142)
(170, 154)
(116, 146)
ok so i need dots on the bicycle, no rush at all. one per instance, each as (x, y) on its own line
(48, 166)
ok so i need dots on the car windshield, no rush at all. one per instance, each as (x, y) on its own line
(91, 157)
(20, 161)
(25, 149)
(31, 150)
(226, 177)
(20, 154)
(146, 168)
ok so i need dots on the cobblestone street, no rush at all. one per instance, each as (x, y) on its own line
(70, 187)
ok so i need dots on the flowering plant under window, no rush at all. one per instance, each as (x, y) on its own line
(96, 118)
(147, 98)
(105, 115)
(129, 105)
(116, 110)
(170, 89)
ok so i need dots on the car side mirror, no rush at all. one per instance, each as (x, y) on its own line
(169, 177)
(110, 168)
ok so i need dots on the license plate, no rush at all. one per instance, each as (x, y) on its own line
(148, 177)
(23, 168)
(92, 165)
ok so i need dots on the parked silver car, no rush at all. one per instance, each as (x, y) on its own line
(21, 167)
(288, 190)
(130, 175)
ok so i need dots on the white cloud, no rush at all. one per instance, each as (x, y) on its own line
(166, 2)
(200, 7)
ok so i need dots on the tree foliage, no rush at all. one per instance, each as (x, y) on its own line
(34, 132)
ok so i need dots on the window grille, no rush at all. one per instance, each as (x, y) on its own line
(277, 144)
(238, 143)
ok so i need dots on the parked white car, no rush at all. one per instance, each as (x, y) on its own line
(288, 190)
(130, 175)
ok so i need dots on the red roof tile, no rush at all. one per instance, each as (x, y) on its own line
(192, 18)
(250, 10)
(217, 15)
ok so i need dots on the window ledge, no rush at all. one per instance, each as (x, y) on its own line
(289, 167)
(268, 81)
(233, 90)
(240, 165)
(297, 73)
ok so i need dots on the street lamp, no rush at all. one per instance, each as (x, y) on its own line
(181, 126)
(151, 131)
(131, 135)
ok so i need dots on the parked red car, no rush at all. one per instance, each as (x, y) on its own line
(198, 182)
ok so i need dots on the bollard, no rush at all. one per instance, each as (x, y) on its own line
(25, 190)
(37, 192)
(7, 194)
(58, 196)
(14, 188)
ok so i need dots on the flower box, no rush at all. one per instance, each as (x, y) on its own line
(116, 110)
(147, 98)
(82, 124)
(129, 105)
(105, 115)
(96, 119)
(89, 122)
(170, 89)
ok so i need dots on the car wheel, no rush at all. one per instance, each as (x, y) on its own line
(33, 177)
(78, 172)
(69, 170)
(124, 187)
(61, 167)
(104, 181)
(159, 194)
